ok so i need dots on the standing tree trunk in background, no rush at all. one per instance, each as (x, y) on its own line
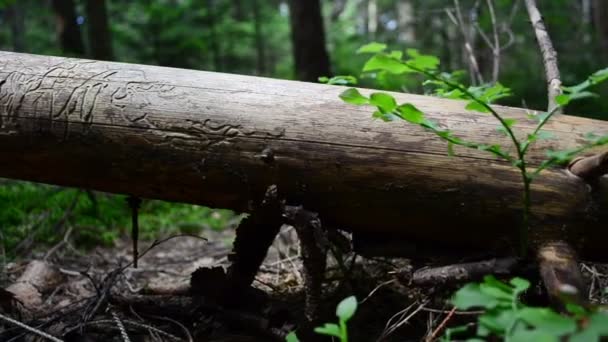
(215, 47)
(600, 20)
(260, 66)
(405, 20)
(100, 39)
(308, 39)
(337, 9)
(16, 18)
(372, 18)
(68, 30)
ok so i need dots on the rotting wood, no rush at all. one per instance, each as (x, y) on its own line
(465, 272)
(38, 277)
(561, 274)
(220, 140)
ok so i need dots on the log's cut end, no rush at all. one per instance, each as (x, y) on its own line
(221, 140)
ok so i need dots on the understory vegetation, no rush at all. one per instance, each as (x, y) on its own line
(36, 216)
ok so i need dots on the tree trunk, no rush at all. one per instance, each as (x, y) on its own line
(212, 37)
(16, 18)
(600, 19)
(308, 39)
(68, 30)
(259, 39)
(100, 40)
(221, 140)
(405, 20)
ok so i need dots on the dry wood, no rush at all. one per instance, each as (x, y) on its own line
(461, 273)
(221, 140)
(548, 53)
(38, 277)
(561, 275)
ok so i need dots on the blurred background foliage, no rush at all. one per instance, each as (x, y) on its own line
(281, 39)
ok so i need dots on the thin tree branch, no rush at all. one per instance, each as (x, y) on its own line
(496, 46)
(549, 54)
(476, 76)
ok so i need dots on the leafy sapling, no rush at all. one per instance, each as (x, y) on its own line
(479, 99)
(345, 311)
(505, 316)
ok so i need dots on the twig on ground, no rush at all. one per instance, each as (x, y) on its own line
(458, 273)
(376, 289)
(63, 241)
(442, 325)
(30, 329)
(390, 328)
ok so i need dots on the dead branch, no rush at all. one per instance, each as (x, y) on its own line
(548, 52)
(458, 20)
(459, 273)
(591, 167)
(37, 278)
(561, 275)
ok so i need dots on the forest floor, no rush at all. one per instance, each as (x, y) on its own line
(94, 295)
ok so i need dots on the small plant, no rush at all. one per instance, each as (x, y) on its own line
(479, 99)
(345, 311)
(505, 316)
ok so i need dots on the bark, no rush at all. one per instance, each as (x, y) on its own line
(548, 53)
(215, 45)
(259, 39)
(68, 31)
(600, 20)
(100, 39)
(221, 140)
(16, 18)
(406, 22)
(308, 40)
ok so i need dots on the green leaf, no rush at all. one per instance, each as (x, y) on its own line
(520, 285)
(599, 76)
(386, 63)
(527, 335)
(410, 113)
(562, 99)
(372, 47)
(561, 157)
(396, 54)
(546, 320)
(509, 122)
(476, 106)
(497, 321)
(597, 326)
(339, 80)
(451, 149)
(471, 296)
(494, 149)
(329, 329)
(346, 309)
(292, 337)
(386, 117)
(353, 96)
(429, 124)
(385, 102)
(495, 92)
(424, 62)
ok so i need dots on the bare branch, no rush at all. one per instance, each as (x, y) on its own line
(496, 46)
(548, 53)
(476, 76)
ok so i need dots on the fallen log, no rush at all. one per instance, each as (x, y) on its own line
(221, 140)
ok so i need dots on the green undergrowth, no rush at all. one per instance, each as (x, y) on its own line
(36, 215)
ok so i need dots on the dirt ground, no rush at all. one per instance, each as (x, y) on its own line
(95, 298)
